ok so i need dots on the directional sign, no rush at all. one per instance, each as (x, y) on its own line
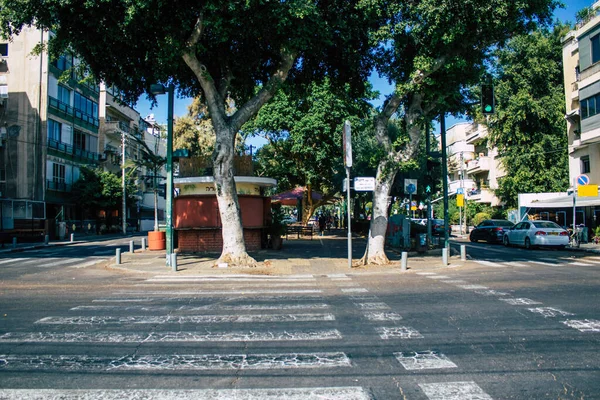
(460, 191)
(413, 205)
(364, 184)
(410, 186)
(583, 179)
(460, 200)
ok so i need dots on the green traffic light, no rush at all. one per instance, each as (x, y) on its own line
(488, 108)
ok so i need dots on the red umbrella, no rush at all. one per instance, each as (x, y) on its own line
(290, 198)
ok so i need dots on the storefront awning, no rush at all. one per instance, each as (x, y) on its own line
(566, 201)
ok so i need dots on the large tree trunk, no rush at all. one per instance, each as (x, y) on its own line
(375, 251)
(234, 247)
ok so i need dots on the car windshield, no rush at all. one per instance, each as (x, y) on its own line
(546, 224)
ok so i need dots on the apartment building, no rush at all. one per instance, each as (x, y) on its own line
(473, 164)
(53, 123)
(581, 61)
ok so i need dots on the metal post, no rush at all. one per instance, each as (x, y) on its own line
(123, 184)
(14, 243)
(169, 170)
(131, 246)
(445, 256)
(143, 244)
(444, 177)
(46, 239)
(463, 252)
(404, 261)
(348, 216)
(72, 237)
(118, 255)
(462, 186)
(174, 262)
(427, 149)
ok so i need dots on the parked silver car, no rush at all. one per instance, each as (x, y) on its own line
(536, 233)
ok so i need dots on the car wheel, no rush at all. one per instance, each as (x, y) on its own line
(527, 243)
(506, 241)
(472, 239)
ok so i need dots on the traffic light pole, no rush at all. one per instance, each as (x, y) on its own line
(445, 178)
(427, 148)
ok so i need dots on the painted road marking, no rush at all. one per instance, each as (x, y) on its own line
(455, 281)
(491, 293)
(584, 325)
(354, 290)
(14, 260)
(372, 306)
(382, 316)
(549, 312)
(515, 264)
(398, 332)
(87, 264)
(60, 262)
(472, 287)
(364, 297)
(317, 393)
(228, 307)
(543, 263)
(187, 319)
(438, 277)
(178, 362)
(454, 391)
(174, 296)
(240, 277)
(424, 360)
(249, 291)
(580, 264)
(106, 337)
(521, 301)
(490, 264)
(591, 261)
(426, 273)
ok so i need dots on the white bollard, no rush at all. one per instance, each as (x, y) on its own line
(14, 243)
(72, 237)
(46, 239)
(131, 246)
(463, 252)
(445, 256)
(144, 244)
(118, 261)
(174, 262)
(404, 261)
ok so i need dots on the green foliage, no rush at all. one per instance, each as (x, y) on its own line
(479, 217)
(96, 189)
(528, 128)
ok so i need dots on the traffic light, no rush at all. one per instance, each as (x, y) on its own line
(431, 164)
(487, 99)
(428, 185)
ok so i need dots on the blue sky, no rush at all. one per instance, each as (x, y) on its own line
(180, 108)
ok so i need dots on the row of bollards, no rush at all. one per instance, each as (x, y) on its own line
(172, 258)
(445, 257)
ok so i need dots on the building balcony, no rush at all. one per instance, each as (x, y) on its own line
(57, 186)
(476, 136)
(117, 128)
(73, 153)
(590, 137)
(69, 113)
(461, 147)
(480, 164)
(466, 184)
(482, 196)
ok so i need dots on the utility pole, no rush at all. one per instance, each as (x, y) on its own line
(462, 186)
(427, 149)
(124, 204)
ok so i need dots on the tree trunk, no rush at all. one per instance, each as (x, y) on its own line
(234, 248)
(375, 251)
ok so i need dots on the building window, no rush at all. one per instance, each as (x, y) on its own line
(4, 49)
(595, 48)
(79, 140)
(64, 95)
(58, 173)
(64, 62)
(590, 106)
(85, 105)
(585, 164)
(54, 130)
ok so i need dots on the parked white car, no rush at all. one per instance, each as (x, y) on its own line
(536, 233)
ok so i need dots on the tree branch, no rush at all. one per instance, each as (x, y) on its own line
(252, 106)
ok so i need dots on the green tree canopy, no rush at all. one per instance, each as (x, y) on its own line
(529, 127)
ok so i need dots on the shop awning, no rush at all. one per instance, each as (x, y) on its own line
(566, 201)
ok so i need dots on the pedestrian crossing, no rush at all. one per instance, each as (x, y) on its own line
(282, 330)
(549, 262)
(51, 262)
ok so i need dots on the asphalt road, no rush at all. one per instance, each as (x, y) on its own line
(507, 324)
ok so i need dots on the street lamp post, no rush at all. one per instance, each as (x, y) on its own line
(160, 89)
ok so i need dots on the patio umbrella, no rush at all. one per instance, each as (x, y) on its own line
(290, 198)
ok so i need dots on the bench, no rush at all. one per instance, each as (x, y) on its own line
(299, 230)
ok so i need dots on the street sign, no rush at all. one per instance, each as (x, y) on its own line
(583, 179)
(587, 191)
(460, 200)
(421, 206)
(413, 205)
(410, 186)
(364, 184)
(460, 191)
(347, 145)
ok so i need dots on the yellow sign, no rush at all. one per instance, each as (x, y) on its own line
(413, 208)
(587, 190)
(460, 200)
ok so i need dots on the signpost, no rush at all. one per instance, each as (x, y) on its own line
(364, 184)
(582, 189)
(410, 187)
(347, 138)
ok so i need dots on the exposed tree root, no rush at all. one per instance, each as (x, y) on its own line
(378, 259)
(241, 260)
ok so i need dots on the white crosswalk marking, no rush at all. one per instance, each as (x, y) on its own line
(580, 264)
(454, 391)
(543, 263)
(14, 260)
(184, 319)
(316, 393)
(515, 264)
(424, 360)
(490, 264)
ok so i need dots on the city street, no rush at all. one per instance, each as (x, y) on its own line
(506, 324)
